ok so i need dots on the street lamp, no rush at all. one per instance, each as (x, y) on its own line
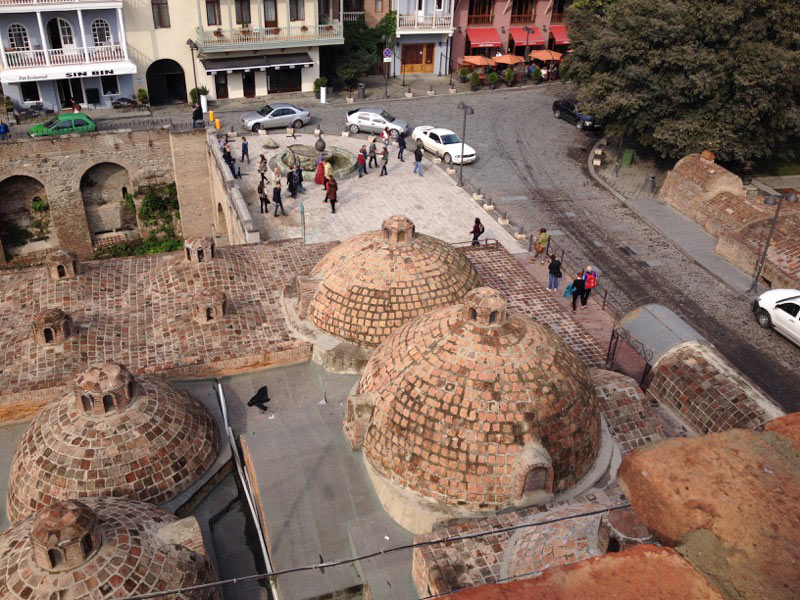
(468, 110)
(192, 47)
(770, 201)
(528, 31)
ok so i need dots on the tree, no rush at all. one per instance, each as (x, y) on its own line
(358, 56)
(683, 76)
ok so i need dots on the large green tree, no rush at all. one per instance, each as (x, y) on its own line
(681, 76)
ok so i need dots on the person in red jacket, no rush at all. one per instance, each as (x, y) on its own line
(589, 283)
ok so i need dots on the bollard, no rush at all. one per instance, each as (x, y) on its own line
(217, 124)
(211, 116)
(650, 184)
(530, 243)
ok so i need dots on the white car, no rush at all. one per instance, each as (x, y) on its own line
(779, 309)
(444, 143)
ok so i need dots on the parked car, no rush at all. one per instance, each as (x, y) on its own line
(277, 114)
(123, 102)
(569, 110)
(444, 143)
(779, 309)
(374, 120)
(62, 124)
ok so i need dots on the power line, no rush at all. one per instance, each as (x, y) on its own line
(346, 561)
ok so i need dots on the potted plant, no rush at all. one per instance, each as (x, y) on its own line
(304, 28)
(327, 28)
(509, 77)
(246, 28)
(474, 81)
(463, 74)
(200, 94)
(218, 32)
(141, 95)
(320, 82)
(492, 79)
(536, 75)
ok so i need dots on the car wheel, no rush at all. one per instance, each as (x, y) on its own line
(395, 133)
(557, 114)
(353, 128)
(762, 317)
(298, 124)
(579, 125)
(256, 127)
(447, 158)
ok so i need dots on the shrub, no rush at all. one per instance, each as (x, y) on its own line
(509, 75)
(463, 72)
(39, 205)
(492, 79)
(320, 82)
(536, 74)
(142, 96)
(197, 92)
(474, 79)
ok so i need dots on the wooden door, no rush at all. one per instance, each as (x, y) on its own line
(418, 58)
(249, 84)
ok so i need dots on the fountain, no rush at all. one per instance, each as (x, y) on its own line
(343, 162)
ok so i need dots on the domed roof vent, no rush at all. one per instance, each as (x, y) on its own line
(398, 229)
(51, 326)
(61, 264)
(104, 387)
(199, 249)
(484, 307)
(64, 536)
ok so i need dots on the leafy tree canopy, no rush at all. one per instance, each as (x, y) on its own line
(682, 76)
(362, 45)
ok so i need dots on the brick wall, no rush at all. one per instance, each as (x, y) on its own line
(192, 180)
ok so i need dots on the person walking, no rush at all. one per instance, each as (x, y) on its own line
(229, 160)
(276, 198)
(541, 244)
(291, 183)
(197, 115)
(361, 160)
(263, 165)
(245, 150)
(576, 288)
(589, 283)
(328, 170)
(373, 154)
(298, 171)
(330, 194)
(384, 161)
(364, 152)
(554, 269)
(262, 196)
(4, 131)
(477, 231)
(417, 161)
(401, 144)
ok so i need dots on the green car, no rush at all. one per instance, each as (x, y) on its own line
(63, 124)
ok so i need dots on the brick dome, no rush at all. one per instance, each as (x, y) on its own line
(102, 548)
(112, 436)
(479, 408)
(375, 282)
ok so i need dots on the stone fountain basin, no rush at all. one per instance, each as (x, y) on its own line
(344, 162)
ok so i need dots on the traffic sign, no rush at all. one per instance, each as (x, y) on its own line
(387, 53)
(387, 59)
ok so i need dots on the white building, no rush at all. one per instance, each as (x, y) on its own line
(424, 32)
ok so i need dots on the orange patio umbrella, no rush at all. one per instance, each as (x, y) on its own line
(509, 59)
(479, 61)
(545, 55)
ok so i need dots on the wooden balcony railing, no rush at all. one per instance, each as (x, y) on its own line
(557, 18)
(522, 18)
(413, 21)
(480, 19)
(21, 59)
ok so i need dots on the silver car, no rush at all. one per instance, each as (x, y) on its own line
(276, 114)
(374, 120)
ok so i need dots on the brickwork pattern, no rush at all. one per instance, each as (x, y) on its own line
(456, 402)
(706, 391)
(189, 151)
(124, 311)
(371, 285)
(132, 559)
(149, 450)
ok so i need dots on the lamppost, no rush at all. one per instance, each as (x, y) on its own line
(468, 110)
(770, 201)
(192, 47)
(528, 31)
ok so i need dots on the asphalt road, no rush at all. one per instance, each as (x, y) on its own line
(534, 167)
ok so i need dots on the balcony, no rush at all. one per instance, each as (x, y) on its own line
(224, 40)
(76, 56)
(349, 17)
(523, 18)
(17, 6)
(480, 19)
(426, 22)
(557, 18)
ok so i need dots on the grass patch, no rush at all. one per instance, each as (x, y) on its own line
(153, 244)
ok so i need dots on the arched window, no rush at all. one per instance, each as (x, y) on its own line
(56, 558)
(209, 314)
(62, 272)
(188, 254)
(108, 403)
(200, 255)
(536, 479)
(86, 545)
(493, 316)
(401, 236)
(48, 335)
(66, 329)
(101, 33)
(65, 29)
(473, 314)
(87, 402)
(18, 37)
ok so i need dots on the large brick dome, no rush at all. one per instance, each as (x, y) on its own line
(102, 548)
(375, 282)
(113, 435)
(478, 409)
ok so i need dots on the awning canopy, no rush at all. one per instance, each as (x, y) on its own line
(258, 63)
(560, 34)
(534, 38)
(483, 37)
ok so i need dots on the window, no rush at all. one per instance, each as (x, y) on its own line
(62, 272)
(65, 124)
(439, 4)
(48, 335)
(81, 122)
(790, 308)
(434, 137)
(473, 314)
(160, 13)
(480, 7)
(297, 10)
(101, 33)
(86, 545)
(87, 403)
(378, 6)
(110, 85)
(65, 30)
(209, 314)
(108, 403)
(493, 316)
(30, 91)
(213, 15)
(56, 558)
(242, 12)
(18, 37)
(200, 256)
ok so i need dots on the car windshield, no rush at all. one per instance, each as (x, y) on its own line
(51, 123)
(450, 138)
(265, 111)
(387, 117)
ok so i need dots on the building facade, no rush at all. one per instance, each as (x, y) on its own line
(236, 48)
(60, 52)
(424, 32)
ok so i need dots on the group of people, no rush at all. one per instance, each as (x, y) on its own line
(294, 183)
(580, 288)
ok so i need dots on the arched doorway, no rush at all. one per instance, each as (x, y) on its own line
(25, 222)
(222, 222)
(166, 83)
(103, 199)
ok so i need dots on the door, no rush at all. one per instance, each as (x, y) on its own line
(284, 80)
(364, 121)
(785, 320)
(249, 84)
(434, 144)
(270, 13)
(81, 125)
(418, 58)
(221, 85)
(69, 90)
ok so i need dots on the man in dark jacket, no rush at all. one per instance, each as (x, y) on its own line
(578, 289)
(298, 180)
(197, 116)
(417, 161)
(276, 198)
(401, 144)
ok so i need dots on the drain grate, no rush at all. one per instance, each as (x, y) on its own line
(628, 250)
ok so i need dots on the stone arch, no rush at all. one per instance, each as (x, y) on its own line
(25, 221)
(533, 472)
(166, 82)
(101, 188)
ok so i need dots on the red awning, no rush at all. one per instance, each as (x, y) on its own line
(483, 37)
(560, 34)
(534, 38)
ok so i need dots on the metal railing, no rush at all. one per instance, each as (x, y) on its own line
(520, 19)
(413, 21)
(20, 59)
(352, 16)
(480, 19)
(268, 35)
(484, 243)
(557, 18)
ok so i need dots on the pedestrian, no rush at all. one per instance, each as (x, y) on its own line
(197, 116)
(330, 194)
(373, 154)
(386, 137)
(541, 244)
(229, 160)
(554, 269)
(298, 170)
(576, 289)
(276, 198)
(276, 175)
(328, 170)
(589, 283)
(262, 196)
(245, 150)
(223, 142)
(384, 161)
(361, 160)
(477, 231)
(364, 153)
(291, 182)
(263, 165)
(401, 144)
(417, 161)
(4, 130)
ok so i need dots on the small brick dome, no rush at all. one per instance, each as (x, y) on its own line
(479, 408)
(51, 326)
(199, 249)
(61, 264)
(112, 436)
(104, 548)
(375, 282)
